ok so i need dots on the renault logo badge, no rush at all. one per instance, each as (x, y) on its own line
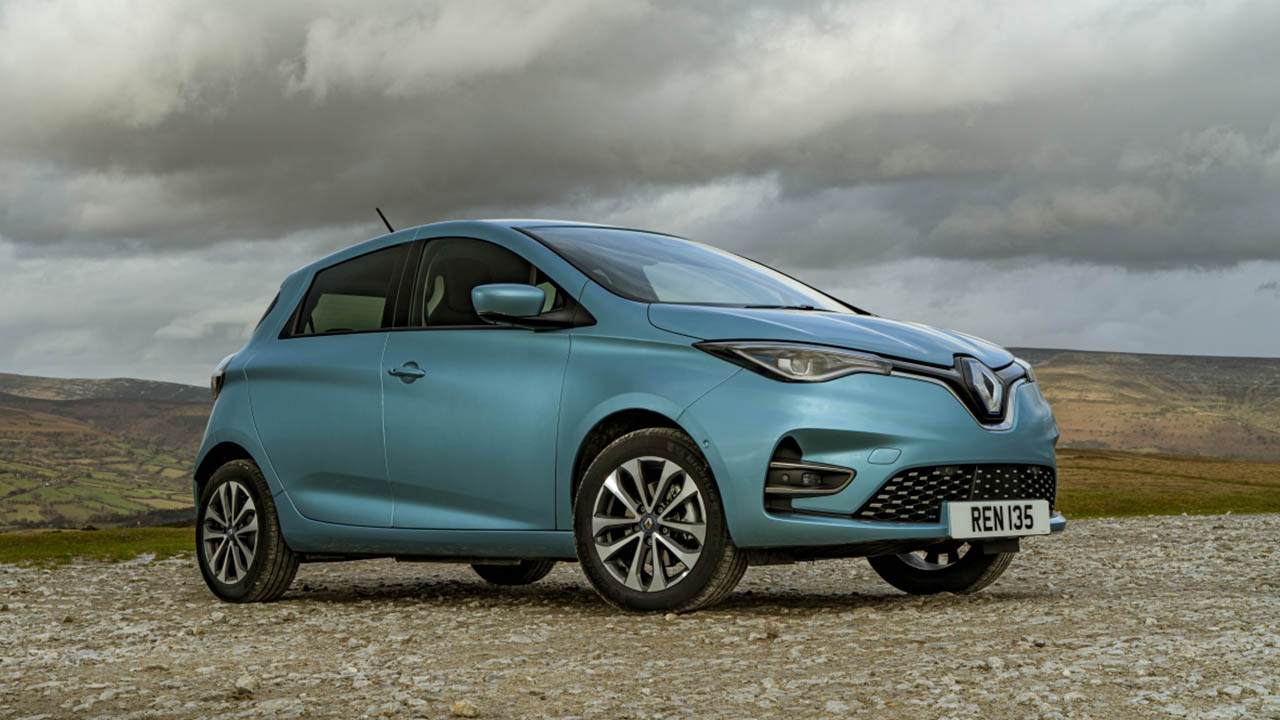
(985, 384)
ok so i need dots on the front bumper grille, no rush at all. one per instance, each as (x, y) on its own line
(917, 495)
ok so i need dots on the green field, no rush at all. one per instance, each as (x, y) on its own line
(1109, 483)
(62, 546)
(107, 453)
(71, 480)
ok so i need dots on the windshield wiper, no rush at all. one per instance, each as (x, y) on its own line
(780, 307)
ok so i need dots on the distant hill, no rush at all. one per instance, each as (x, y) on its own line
(76, 452)
(121, 451)
(43, 388)
(1193, 405)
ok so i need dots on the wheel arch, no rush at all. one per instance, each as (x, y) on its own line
(619, 422)
(610, 428)
(217, 456)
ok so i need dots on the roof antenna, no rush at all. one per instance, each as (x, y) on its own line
(384, 220)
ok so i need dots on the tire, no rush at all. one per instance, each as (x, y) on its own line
(524, 573)
(617, 545)
(953, 567)
(270, 565)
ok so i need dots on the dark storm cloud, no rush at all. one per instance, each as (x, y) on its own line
(162, 166)
(1095, 132)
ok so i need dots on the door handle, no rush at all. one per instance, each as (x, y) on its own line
(407, 372)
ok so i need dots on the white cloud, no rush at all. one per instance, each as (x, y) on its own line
(65, 62)
(420, 48)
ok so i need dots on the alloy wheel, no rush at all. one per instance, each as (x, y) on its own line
(649, 524)
(936, 557)
(230, 536)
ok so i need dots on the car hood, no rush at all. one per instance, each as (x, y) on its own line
(893, 338)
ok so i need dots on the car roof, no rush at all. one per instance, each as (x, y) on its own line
(503, 223)
(405, 234)
(532, 223)
(524, 223)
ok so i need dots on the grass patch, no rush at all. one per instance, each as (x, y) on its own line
(22, 512)
(1108, 483)
(12, 485)
(162, 503)
(20, 467)
(63, 546)
(1120, 503)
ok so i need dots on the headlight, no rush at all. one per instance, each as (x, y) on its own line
(1026, 369)
(794, 362)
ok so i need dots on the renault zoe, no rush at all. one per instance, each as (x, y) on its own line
(512, 394)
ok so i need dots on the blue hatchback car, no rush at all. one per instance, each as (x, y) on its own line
(515, 393)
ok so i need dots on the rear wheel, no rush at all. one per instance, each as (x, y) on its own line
(242, 555)
(521, 573)
(649, 526)
(953, 566)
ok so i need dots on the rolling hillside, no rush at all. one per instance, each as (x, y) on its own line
(76, 452)
(1191, 405)
(119, 451)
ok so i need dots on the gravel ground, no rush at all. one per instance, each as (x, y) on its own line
(1148, 617)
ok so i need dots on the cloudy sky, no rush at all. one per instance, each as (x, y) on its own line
(1096, 175)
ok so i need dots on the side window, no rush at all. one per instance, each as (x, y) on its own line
(451, 267)
(352, 296)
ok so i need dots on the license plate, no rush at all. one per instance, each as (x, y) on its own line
(998, 518)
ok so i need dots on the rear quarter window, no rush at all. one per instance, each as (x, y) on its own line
(355, 295)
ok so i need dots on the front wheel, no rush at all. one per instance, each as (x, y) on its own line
(241, 552)
(649, 526)
(954, 566)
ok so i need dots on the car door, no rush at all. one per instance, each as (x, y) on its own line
(317, 392)
(471, 409)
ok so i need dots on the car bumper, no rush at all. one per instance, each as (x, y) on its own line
(876, 425)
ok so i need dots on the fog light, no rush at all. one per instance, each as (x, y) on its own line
(805, 478)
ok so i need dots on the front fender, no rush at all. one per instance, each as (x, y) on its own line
(608, 375)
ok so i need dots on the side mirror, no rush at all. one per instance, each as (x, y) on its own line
(506, 303)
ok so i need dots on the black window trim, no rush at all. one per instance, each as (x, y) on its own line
(400, 291)
(290, 331)
(417, 277)
(404, 286)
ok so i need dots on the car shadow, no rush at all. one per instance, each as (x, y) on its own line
(440, 591)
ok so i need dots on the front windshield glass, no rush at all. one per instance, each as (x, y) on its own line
(658, 268)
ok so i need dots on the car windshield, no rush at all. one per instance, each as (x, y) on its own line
(653, 268)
